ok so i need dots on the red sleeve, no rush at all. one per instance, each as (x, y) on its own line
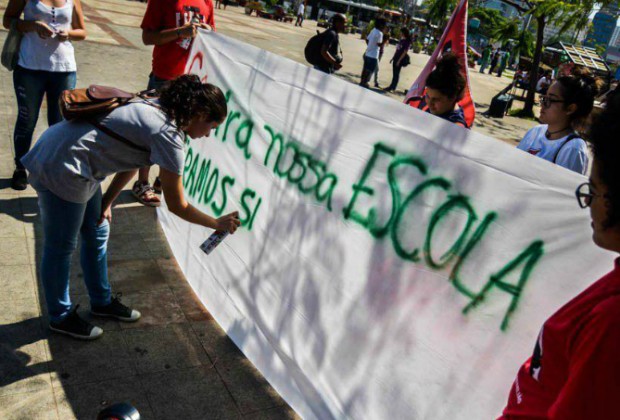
(154, 17)
(593, 385)
(211, 18)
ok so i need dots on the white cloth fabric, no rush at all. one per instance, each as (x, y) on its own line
(301, 9)
(375, 38)
(49, 54)
(571, 154)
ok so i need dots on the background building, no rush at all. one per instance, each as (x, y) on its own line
(603, 27)
(554, 33)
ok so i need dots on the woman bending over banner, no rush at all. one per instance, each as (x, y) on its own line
(566, 105)
(574, 369)
(445, 87)
(72, 158)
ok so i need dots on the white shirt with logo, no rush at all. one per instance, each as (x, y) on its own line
(375, 38)
(571, 154)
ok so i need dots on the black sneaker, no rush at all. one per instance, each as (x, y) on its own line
(20, 180)
(73, 325)
(116, 310)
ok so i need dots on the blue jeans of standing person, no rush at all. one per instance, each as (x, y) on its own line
(63, 222)
(156, 82)
(370, 64)
(30, 87)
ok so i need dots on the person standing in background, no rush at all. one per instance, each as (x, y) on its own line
(494, 60)
(371, 56)
(386, 38)
(46, 66)
(300, 14)
(169, 25)
(486, 57)
(503, 63)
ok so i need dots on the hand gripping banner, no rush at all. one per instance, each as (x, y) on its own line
(454, 39)
(390, 264)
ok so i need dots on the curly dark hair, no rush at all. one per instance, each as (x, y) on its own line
(447, 77)
(606, 150)
(186, 97)
(579, 89)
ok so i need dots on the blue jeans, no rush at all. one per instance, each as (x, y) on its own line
(156, 82)
(63, 221)
(30, 87)
(370, 65)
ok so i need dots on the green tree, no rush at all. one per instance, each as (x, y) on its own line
(438, 11)
(490, 19)
(567, 14)
(506, 31)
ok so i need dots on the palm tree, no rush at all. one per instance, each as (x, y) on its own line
(568, 13)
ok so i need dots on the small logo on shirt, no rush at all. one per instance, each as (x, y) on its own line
(534, 151)
(536, 362)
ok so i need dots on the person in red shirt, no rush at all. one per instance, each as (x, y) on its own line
(574, 371)
(169, 25)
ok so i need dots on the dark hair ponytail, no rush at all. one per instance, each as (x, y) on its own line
(579, 89)
(447, 77)
(187, 97)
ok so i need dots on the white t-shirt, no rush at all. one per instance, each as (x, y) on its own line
(47, 54)
(72, 158)
(571, 154)
(543, 81)
(301, 9)
(375, 38)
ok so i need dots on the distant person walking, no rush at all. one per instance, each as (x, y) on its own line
(503, 62)
(46, 66)
(494, 60)
(486, 57)
(300, 14)
(400, 58)
(330, 58)
(371, 56)
(169, 25)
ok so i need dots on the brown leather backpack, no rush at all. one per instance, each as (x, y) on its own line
(97, 101)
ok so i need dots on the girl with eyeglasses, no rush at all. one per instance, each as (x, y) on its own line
(574, 369)
(566, 105)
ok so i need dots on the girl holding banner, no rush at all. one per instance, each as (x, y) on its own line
(574, 369)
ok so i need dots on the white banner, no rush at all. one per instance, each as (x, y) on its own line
(390, 265)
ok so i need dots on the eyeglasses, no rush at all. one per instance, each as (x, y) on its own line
(546, 101)
(585, 195)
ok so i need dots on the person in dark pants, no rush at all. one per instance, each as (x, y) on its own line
(46, 66)
(494, 60)
(331, 60)
(399, 57)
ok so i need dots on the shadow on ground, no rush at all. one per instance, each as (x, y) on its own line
(176, 362)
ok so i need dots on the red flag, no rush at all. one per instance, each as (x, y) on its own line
(454, 39)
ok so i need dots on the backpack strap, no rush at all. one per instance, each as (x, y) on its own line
(570, 137)
(145, 96)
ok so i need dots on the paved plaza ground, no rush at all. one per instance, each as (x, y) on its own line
(176, 362)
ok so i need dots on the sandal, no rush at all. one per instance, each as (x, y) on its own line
(157, 186)
(144, 194)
